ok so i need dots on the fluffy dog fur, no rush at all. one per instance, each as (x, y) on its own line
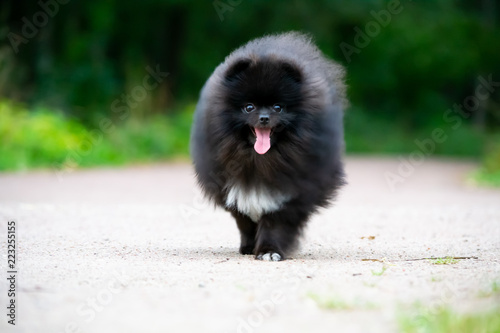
(267, 139)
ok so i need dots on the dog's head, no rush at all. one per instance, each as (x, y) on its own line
(263, 97)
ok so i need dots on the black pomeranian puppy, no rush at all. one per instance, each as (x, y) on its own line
(267, 139)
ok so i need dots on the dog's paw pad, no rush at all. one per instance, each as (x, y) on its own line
(270, 256)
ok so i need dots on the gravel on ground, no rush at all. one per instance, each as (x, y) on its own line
(137, 249)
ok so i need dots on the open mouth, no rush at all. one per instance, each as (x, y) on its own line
(262, 139)
(255, 134)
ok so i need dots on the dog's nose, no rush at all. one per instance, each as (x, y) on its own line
(264, 119)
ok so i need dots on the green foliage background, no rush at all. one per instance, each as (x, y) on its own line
(66, 74)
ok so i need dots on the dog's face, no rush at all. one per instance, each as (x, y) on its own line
(263, 98)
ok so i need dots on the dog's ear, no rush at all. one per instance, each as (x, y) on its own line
(237, 68)
(291, 71)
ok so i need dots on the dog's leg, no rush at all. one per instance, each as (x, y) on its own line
(278, 233)
(248, 229)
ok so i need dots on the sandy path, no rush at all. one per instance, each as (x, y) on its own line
(136, 250)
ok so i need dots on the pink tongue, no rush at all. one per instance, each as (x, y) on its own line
(263, 142)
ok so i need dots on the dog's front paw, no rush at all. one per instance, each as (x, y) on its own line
(247, 249)
(269, 256)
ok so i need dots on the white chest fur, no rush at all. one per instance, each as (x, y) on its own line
(255, 202)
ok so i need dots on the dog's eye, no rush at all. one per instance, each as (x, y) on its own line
(249, 107)
(278, 107)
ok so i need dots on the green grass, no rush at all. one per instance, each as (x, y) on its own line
(47, 139)
(445, 320)
(443, 261)
(365, 132)
(335, 303)
(489, 173)
(330, 303)
(493, 290)
(381, 272)
(495, 287)
(42, 138)
(482, 177)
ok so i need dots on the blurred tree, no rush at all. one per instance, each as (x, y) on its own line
(80, 56)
